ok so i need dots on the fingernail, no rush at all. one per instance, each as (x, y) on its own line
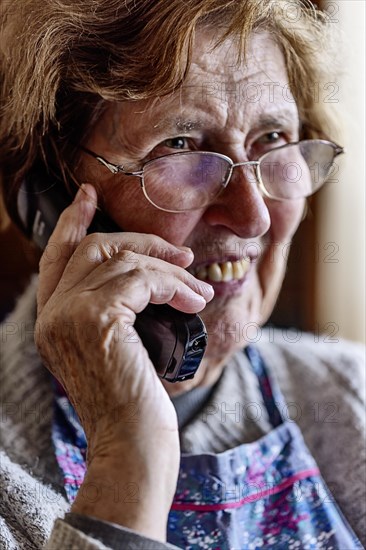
(80, 194)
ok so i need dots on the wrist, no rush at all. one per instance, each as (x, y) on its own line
(127, 489)
(117, 433)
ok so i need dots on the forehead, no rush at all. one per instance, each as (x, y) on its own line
(262, 54)
(220, 92)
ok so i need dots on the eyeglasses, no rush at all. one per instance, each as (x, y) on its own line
(189, 180)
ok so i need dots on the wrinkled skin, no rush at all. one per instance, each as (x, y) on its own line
(103, 285)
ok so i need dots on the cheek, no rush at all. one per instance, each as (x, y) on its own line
(285, 219)
(129, 208)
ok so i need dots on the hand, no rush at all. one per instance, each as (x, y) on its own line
(87, 303)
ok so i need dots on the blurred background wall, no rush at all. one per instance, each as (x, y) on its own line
(324, 290)
(340, 283)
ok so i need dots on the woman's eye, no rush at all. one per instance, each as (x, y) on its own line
(266, 142)
(170, 146)
(271, 137)
(176, 143)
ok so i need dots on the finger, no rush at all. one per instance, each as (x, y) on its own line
(71, 228)
(99, 248)
(134, 289)
(167, 279)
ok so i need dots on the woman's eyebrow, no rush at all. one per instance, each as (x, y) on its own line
(177, 124)
(282, 119)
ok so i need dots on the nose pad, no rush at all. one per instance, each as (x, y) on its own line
(241, 206)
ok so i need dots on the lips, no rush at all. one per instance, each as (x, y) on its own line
(222, 272)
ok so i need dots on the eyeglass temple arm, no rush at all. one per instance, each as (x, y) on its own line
(114, 168)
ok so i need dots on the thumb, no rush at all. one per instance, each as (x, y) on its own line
(71, 228)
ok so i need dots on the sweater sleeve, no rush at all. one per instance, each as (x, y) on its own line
(87, 533)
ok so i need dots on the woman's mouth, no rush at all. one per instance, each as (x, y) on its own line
(223, 272)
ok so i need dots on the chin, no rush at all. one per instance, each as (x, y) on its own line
(234, 320)
(230, 322)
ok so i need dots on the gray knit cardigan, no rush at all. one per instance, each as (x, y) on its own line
(323, 383)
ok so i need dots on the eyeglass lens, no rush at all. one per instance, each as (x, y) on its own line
(297, 170)
(186, 181)
(191, 180)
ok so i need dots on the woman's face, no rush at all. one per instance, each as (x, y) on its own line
(242, 112)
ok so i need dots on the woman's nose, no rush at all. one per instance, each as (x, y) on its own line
(240, 206)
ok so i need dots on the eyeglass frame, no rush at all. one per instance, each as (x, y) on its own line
(118, 169)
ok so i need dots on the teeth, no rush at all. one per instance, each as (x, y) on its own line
(227, 271)
(238, 270)
(224, 272)
(214, 273)
(202, 273)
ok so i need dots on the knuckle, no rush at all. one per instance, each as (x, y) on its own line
(137, 275)
(127, 256)
(136, 281)
(90, 241)
(161, 247)
(93, 238)
(95, 249)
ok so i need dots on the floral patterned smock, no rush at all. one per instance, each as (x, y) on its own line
(265, 494)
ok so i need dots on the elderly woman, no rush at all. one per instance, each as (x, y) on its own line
(193, 130)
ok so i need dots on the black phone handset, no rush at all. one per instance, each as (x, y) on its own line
(175, 341)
